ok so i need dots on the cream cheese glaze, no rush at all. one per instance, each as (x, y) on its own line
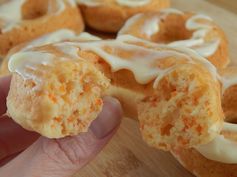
(20, 61)
(148, 24)
(229, 79)
(143, 64)
(222, 149)
(13, 7)
(197, 41)
(60, 35)
(133, 3)
(128, 3)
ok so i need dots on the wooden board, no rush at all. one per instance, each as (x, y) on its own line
(127, 155)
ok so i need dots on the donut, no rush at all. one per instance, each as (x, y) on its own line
(56, 36)
(171, 83)
(217, 158)
(110, 15)
(176, 28)
(23, 20)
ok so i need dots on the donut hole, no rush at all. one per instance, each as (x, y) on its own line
(229, 104)
(32, 9)
(172, 28)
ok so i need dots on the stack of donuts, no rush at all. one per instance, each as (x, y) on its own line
(168, 68)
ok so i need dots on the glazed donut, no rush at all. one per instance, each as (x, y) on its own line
(110, 15)
(23, 20)
(218, 156)
(178, 93)
(177, 28)
(56, 36)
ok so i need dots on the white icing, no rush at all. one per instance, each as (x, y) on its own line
(149, 25)
(130, 22)
(197, 42)
(68, 50)
(133, 3)
(192, 23)
(210, 67)
(90, 2)
(143, 62)
(56, 36)
(60, 35)
(84, 36)
(228, 80)
(21, 61)
(208, 48)
(128, 3)
(230, 127)
(221, 149)
(62, 5)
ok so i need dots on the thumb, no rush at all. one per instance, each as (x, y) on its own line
(63, 157)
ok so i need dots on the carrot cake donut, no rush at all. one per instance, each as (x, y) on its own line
(110, 15)
(176, 28)
(23, 20)
(217, 158)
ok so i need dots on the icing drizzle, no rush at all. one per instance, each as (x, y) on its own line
(142, 62)
(127, 3)
(148, 25)
(222, 149)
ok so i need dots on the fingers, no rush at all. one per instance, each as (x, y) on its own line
(8, 158)
(13, 138)
(63, 157)
(4, 88)
(107, 119)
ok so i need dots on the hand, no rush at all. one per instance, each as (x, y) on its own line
(52, 157)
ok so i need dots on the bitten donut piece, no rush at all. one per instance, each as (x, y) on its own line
(110, 15)
(58, 99)
(24, 20)
(176, 28)
(148, 71)
(219, 156)
(184, 102)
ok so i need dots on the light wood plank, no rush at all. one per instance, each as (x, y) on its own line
(230, 5)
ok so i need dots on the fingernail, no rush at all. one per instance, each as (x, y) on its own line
(109, 118)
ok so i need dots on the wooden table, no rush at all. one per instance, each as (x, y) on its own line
(127, 155)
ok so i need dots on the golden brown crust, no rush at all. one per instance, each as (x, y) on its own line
(200, 166)
(110, 16)
(37, 22)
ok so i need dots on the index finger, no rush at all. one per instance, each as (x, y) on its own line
(4, 88)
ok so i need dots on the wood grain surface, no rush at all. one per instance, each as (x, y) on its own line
(127, 155)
